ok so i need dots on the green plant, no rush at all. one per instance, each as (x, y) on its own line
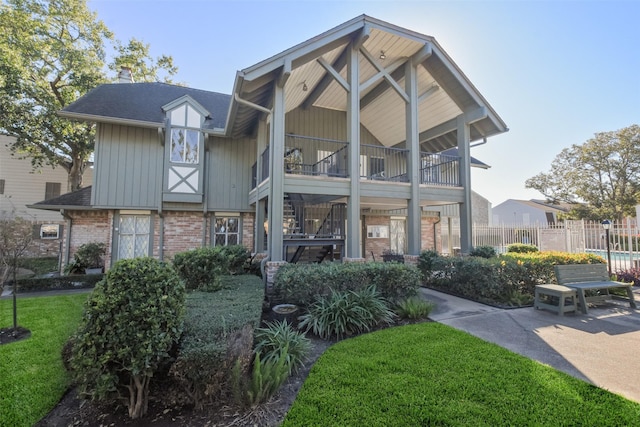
(130, 323)
(300, 284)
(271, 339)
(414, 308)
(631, 275)
(90, 255)
(201, 268)
(218, 332)
(346, 313)
(430, 374)
(483, 252)
(522, 248)
(267, 376)
(39, 265)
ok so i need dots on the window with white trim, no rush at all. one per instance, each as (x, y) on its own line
(185, 135)
(50, 231)
(226, 231)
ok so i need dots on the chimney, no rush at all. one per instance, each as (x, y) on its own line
(125, 76)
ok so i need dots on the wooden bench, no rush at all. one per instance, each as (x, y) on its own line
(547, 295)
(590, 277)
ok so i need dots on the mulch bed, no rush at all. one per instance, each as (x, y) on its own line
(9, 335)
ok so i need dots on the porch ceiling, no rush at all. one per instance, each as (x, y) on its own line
(444, 91)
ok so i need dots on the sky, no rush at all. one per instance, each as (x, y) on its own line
(556, 72)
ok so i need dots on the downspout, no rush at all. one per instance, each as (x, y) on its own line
(435, 233)
(67, 245)
(162, 137)
(205, 207)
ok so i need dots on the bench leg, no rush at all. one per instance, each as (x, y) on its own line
(583, 301)
(632, 302)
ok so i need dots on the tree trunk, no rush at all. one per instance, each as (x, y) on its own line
(76, 170)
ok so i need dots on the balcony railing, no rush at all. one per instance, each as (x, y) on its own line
(326, 157)
(439, 169)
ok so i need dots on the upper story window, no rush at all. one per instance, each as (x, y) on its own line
(185, 135)
(51, 190)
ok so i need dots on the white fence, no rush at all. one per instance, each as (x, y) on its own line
(570, 236)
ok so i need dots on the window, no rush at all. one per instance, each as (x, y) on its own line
(50, 231)
(1, 186)
(227, 231)
(133, 237)
(184, 146)
(378, 231)
(185, 135)
(51, 190)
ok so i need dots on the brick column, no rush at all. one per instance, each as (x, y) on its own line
(270, 270)
(411, 260)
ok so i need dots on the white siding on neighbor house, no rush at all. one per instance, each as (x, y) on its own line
(24, 186)
(519, 212)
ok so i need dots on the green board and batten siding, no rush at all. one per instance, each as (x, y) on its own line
(130, 172)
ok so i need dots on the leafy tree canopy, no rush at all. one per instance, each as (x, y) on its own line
(51, 53)
(603, 174)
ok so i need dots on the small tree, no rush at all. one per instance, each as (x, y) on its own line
(16, 234)
(132, 319)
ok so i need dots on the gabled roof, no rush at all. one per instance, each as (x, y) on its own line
(445, 91)
(474, 162)
(141, 104)
(76, 200)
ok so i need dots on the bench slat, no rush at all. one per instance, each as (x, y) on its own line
(581, 273)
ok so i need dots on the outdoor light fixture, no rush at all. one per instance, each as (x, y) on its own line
(382, 55)
(304, 86)
(606, 224)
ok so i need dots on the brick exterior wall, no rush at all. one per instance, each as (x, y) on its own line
(182, 232)
(375, 246)
(248, 229)
(88, 227)
(427, 233)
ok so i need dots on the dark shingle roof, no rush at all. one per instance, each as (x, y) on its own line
(143, 102)
(79, 199)
(474, 162)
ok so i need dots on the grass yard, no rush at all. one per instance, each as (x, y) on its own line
(431, 374)
(32, 378)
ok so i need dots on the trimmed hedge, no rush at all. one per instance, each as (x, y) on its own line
(218, 331)
(202, 268)
(79, 281)
(302, 284)
(507, 280)
(522, 248)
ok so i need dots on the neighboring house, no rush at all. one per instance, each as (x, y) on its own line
(332, 149)
(21, 186)
(528, 212)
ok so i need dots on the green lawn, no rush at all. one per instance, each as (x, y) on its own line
(32, 378)
(432, 375)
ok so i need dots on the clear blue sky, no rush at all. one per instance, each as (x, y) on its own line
(556, 71)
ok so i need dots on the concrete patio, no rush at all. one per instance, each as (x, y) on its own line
(601, 347)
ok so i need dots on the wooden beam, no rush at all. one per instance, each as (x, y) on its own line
(420, 56)
(326, 80)
(386, 75)
(333, 73)
(380, 74)
(285, 73)
(381, 88)
(362, 36)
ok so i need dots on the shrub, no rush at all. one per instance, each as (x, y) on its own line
(346, 313)
(414, 308)
(40, 265)
(631, 275)
(483, 252)
(61, 282)
(277, 336)
(90, 255)
(301, 284)
(201, 268)
(130, 323)
(522, 248)
(218, 332)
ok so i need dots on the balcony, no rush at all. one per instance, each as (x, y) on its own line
(329, 158)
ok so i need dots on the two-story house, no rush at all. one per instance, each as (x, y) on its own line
(22, 185)
(332, 149)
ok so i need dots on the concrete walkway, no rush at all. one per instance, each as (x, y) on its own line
(602, 347)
